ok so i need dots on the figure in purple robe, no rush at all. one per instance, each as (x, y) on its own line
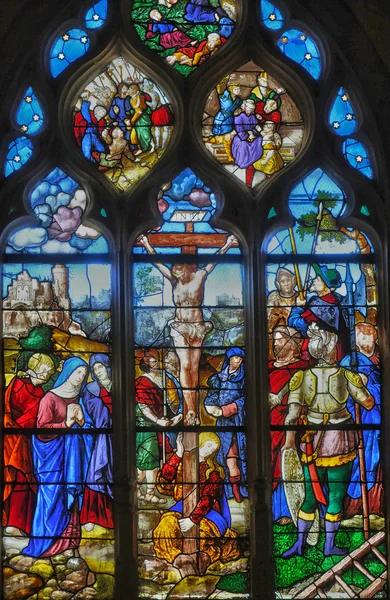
(97, 502)
(170, 35)
(246, 145)
(200, 11)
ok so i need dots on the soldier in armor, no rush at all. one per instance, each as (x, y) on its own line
(327, 454)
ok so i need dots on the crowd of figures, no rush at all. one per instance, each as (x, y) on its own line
(188, 33)
(57, 480)
(248, 126)
(122, 124)
(324, 375)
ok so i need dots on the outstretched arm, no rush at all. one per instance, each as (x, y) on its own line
(231, 239)
(150, 250)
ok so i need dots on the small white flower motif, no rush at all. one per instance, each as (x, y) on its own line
(335, 124)
(349, 116)
(61, 56)
(284, 39)
(84, 39)
(36, 117)
(302, 37)
(96, 17)
(24, 128)
(17, 158)
(272, 17)
(66, 37)
(344, 97)
(308, 56)
(359, 158)
(28, 99)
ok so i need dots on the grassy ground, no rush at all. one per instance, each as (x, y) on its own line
(313, 561)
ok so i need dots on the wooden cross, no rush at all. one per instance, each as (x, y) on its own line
(189, 242)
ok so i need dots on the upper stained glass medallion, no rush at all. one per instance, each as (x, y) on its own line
(123, 123)
(184, 32)
(190, 370)
(325, 401)
(251, 125)
(302, 49)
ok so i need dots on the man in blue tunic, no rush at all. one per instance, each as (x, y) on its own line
(226, 402)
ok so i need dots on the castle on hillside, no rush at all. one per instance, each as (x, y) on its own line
(30, 303)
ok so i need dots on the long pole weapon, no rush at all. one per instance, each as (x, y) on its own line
(164, 435)
(314, 244)
(354, 367)
(296, 269)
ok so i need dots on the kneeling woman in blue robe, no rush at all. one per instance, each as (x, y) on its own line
(60, 463)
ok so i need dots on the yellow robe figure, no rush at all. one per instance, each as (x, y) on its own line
(272, 164)
(211, 512)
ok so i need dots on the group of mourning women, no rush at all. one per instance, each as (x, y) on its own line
(60, 477)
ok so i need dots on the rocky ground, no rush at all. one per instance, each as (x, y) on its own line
(88, 572)
(162, 581)
(83, 574)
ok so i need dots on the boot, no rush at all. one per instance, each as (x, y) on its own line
(235, 481)
(297, 548)
(331, 528)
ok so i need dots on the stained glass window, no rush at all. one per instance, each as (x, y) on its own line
(19, 152)
(190, 398)
(357, 156)
(67, 48)
(123, 123)
(96, 15)
(106, 213)
(302, 49)
(342, 117)
(272, 16)
(185, 34)
(325, 400)
(29, 115)
(251, 125)
(58, 499)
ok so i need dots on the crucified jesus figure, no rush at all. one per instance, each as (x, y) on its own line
(188, 327)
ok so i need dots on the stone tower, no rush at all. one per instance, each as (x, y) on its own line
(61, 286)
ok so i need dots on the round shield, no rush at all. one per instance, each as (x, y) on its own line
(294, 489)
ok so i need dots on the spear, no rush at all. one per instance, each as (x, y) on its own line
(164, 382)
(354, 367)
(296, 270)
(315, 240)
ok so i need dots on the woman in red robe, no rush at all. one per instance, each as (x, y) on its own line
(22, 399)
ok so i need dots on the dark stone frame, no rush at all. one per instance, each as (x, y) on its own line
(351, 60)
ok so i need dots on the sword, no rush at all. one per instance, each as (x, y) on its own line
(315, 240)
(311, 454)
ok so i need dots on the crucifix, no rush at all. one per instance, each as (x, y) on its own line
(188, 330)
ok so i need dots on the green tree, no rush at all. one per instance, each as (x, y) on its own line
(329, 231)
(145, 284)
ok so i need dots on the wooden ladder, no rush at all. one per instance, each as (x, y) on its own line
(350, 561)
